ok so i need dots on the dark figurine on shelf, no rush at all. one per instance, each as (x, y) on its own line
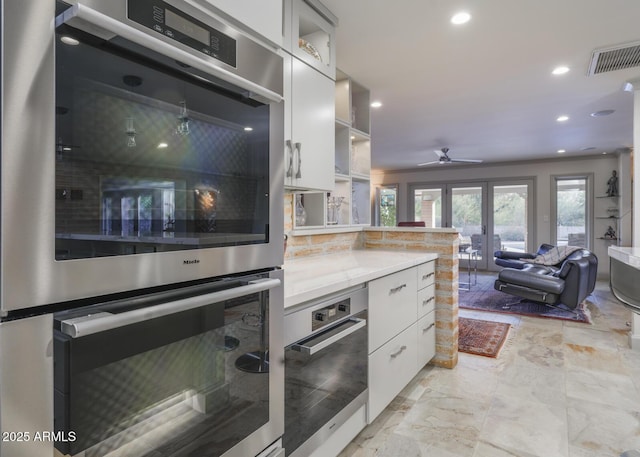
(610, 234)
(612, 185)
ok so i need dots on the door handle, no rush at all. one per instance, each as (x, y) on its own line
(299, 149)
(290, 167)
(424, 330)
(309, 349)
(398, 352)
(103, 321)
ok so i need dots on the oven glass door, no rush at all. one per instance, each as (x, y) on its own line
(319, 384)
(151, 156)
(191, 383)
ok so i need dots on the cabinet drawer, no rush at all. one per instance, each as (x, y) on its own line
(390, 369)
(392, 306)
(426, 274)
(426, 339)
(426, 300)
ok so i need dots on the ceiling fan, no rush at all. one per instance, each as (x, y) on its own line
(443, 158)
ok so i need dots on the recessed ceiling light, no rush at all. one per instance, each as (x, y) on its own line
(376, 104)
(162, 145)
(604, 112)
(70, 41)
(460, 18)
(561, 151)
(248, 129)
(562, 118)
(561, 70)
(604, 153)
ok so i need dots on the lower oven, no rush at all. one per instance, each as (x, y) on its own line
(182, 373)
(325, 369)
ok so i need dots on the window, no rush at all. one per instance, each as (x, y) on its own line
(571, 209)
(387, 205)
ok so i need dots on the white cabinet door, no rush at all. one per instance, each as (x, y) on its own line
(313, 38)
(261, 16)
(390, 369)
(426, 339)
(426, 300)
(426, 274)
(310, 112)
(392, 306)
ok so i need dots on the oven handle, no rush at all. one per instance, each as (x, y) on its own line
(87, 19)
(101, 322)
(311, 350)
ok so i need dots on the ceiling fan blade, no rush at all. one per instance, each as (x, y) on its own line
(440, 153)
(467, 160)
(430, 163)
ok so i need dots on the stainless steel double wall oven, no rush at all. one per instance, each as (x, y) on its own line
(141, 224)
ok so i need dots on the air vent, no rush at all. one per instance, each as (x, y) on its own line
(615, 58)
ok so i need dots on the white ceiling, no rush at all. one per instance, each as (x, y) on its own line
(485, 89)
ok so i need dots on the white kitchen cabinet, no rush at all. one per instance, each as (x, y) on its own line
(349, 201)
(310, 34)
(309, 127)
(426, 339)
(401, 332)
(391, 367)
(261, 17)
(426, 300)
(392, 306)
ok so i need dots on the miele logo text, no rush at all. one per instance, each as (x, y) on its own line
(190, 262)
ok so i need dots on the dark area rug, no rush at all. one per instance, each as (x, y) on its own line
(483, 297)
(481, 337)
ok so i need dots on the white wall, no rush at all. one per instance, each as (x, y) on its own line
(600, 166)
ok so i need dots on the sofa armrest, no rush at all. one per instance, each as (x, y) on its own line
(532, 280)
(513, 255)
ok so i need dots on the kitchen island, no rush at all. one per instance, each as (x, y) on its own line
(394, 295)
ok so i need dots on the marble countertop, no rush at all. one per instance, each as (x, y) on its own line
(628, 255)
(309, 278)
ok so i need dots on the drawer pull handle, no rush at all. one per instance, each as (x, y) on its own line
(424, 330)
(400, 351)
(397, 289)
(427, 276)
(426, 302)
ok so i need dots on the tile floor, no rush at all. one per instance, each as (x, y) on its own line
(557, 389)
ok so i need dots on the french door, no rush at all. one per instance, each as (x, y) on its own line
(490, 216)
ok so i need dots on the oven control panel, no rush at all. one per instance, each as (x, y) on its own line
(175, 24)
(331, 313)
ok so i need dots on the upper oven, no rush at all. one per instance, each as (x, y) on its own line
(141, 146)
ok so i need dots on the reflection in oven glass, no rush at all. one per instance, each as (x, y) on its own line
(183, 399)
(162, 158)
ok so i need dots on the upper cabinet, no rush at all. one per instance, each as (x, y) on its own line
(309, 93)
(263, 17)
(310, 34)
(309, 127)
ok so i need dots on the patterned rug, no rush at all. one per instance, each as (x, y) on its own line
(481, 337)
(483, 297)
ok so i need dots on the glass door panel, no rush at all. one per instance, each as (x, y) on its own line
(510, 217)
(468, 215)
(428, 206)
